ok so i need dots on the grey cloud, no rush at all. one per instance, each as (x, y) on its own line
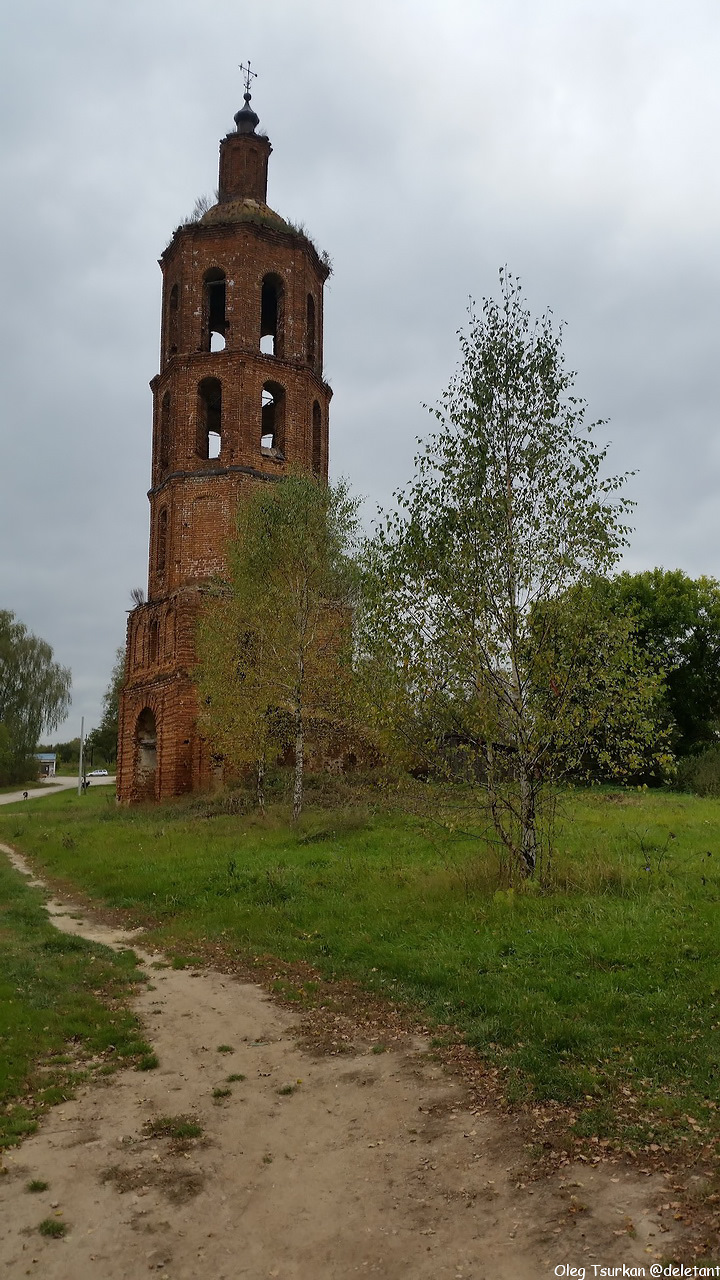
(423, 146)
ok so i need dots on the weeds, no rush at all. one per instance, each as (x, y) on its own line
(37, 1184)
(177, 1127)
(53, 1227)
(148, 1062)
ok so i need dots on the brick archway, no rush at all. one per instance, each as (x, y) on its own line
(145, 754)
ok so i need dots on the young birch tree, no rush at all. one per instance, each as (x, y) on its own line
(274, 643)
(507, 514)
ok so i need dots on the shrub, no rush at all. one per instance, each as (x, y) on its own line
(700, 774)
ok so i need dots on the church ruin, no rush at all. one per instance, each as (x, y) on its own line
(239, 398)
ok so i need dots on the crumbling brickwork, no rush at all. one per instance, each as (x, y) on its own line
(239, 399)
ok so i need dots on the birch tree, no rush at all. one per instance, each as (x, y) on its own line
(508, 513)
(274, 643)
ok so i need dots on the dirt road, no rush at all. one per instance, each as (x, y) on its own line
(310, 1168)
(59, 783)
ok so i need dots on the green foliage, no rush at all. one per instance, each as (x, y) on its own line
(68, 753)
(273, 643)
(700, 773)
(597, 693)
(102, 742)
(473, 662)
(34, 695)
(678, 622)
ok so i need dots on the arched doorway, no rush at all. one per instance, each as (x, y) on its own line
(145, 754)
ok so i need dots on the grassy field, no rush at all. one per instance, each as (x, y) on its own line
(62, 1011)
(601, 992)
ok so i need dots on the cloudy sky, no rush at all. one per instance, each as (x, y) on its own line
(423, 144)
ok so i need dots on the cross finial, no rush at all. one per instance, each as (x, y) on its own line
(248, 74)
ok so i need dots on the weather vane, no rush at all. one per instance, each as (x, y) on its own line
(247, 74)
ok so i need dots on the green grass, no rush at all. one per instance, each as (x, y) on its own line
(61, 1009)
(53, 1227)
(177, 1127)
(601, 992)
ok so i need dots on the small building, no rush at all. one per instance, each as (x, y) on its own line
(46, 763)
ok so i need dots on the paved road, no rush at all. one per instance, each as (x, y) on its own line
(48, 788)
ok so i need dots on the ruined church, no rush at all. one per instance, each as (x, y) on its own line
(239, 398)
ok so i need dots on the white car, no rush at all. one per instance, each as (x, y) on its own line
(98, 773)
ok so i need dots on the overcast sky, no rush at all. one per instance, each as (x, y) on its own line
(423, 144)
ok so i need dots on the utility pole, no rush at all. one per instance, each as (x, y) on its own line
(82, 743)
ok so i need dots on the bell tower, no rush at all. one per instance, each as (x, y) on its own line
(239, 399)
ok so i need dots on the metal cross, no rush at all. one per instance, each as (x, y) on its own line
(248, 74)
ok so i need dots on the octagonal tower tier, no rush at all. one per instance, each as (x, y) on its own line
(239, 399)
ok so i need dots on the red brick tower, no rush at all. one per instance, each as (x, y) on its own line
(239, 398)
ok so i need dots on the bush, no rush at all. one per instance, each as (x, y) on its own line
(700, 774)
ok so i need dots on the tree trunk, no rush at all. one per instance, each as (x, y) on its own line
(528, 822)
(299, 740)
(261, 783)
(299, 766)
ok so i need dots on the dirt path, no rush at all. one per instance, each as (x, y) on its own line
(51, 787)
(312, 1168)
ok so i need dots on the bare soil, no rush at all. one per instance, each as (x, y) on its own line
(316, 1166)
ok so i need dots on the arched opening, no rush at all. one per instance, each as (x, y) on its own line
(173, 320)
(162, 540)
(153, 641)
(145, 748)
(164, 451)
(272, 316)
(310, 330)
(214, 321)
(209, 418)
(272, 430)
(316, 439)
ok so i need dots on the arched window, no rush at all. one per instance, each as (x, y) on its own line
(209, 418)
(316, 439)
(272, 431)
(310, 343)
(214, 322)
(162, 540)
(272, 335)
(173, 320)
(164, 451)
(153, 642)
(146, 745)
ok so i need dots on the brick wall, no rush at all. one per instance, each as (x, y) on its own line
(232, 276)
